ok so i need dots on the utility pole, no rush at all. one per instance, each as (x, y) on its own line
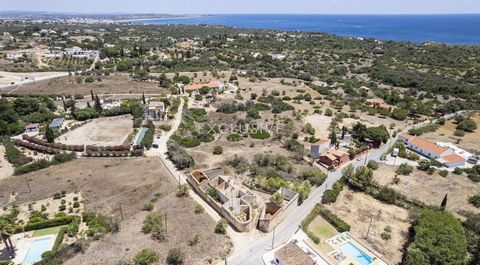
(366, 155)
(370, 225)
(121, 211)
(28, 185)
(166, 231)
(273, 238)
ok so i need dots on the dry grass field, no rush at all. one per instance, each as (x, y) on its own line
(430, 189)
(107, 184)
(101, 131)
(114, 84)
(469, 142)
(358, 209)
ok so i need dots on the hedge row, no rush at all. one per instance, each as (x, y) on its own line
(59, 238)
(40, 164)
(57, 221)
(76, 148)
(36, 147)
(136, 152)
(331, 218)
(14, 156)
(108, 148)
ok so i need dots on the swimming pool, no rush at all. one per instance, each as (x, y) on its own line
(141, 135)
(353, 251)
(37, 248)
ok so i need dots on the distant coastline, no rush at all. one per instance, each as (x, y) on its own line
(160, 18)
(459, 29)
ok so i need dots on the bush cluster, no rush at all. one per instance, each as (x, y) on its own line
(76, 148)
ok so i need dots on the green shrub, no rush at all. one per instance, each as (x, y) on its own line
(404, 169)
(175, 256)
(260, 134)
(13, 155)
(165, 127)
(147, 140)
(372, 164)
(330, 196)
(154, 224)
(221, 227)
(475, 200)
(217, 150)
(234, 137)
(72, 229)
(146, 257)
(443, 173)
(336, 222)
(57, 221)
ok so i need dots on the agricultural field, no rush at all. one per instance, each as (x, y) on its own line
(358, 210)
(131, 183)
(431, 188)
(101, 131)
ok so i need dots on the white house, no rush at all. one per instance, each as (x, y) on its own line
(443, 154)
(317, 148)
(156, 110)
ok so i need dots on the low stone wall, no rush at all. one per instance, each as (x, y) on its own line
(267, 224)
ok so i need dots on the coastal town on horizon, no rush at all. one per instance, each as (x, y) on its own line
(240, 137)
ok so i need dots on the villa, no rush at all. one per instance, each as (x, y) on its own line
(444, 154)
(378, 104)
(32, 127)
(333, 157)
(156, 110)
(227, 198)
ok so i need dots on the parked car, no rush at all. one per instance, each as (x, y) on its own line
(472, 160)
(155, 146)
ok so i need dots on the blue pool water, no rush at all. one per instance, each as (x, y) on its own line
(353, 251)
(141, 135)
(454, 29)
(37, 248)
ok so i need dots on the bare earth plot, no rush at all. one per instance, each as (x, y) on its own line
(7, 77)
(115, 84)
(430, 189)
(471, 141)
(357, 209)
(6, 169)
(101, 131)
(108, 183)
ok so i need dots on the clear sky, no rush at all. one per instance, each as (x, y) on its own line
(247, 6)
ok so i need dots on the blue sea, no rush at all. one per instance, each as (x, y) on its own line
(451, 29)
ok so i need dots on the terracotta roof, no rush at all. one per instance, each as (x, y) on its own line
(453, 158)
(337, 153)
(406, 135)
(427, 145)
(199, 86)
(291, 254)
(320, 142)
(329, 156)
(32, 125)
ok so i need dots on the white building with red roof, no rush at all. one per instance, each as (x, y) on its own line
(442, 153)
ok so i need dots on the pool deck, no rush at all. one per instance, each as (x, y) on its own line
(23, 243)
(343, 258)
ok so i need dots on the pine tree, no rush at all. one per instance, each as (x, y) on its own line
(333, 138)
(443, 206)
(97, 106)
(91, 95)
(143, 98)
(72, 109)
(49, 135)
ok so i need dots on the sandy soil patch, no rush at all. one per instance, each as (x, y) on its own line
(7, 77)
(358, 209)
(430, 189)
(131, 183)
(469, 142)
(6, 169)
(114, 84)
(102, 131)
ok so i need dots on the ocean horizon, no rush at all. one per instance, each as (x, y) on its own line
(461, 29)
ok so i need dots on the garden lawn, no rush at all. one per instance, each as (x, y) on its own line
(47, 231)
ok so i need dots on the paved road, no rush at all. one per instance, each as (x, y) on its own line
(285, 230)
